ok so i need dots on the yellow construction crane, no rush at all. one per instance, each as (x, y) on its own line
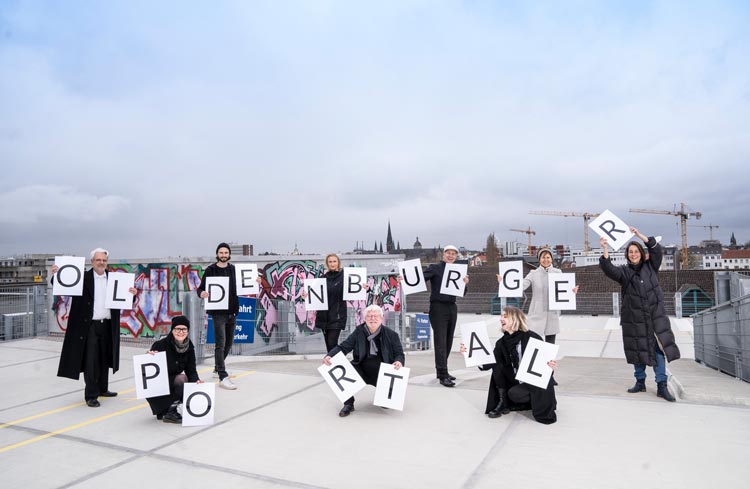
(684, 215)
(529, 232)
(587, 216)
(710, 228)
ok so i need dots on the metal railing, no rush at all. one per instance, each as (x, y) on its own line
(23, 311)
(722, 337)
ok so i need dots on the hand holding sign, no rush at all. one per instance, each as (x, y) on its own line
(478, 349)
(119, 287)
(69, 275)
(151, 375)
(534, 368)
(411, 277)
(510, 279)
(612, 228)
(341, 376)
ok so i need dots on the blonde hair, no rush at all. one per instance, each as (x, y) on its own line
(515, 318)
(335, 256)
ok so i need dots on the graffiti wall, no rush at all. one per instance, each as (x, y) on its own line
(161, 288)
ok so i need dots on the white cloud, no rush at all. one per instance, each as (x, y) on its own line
(35, 203)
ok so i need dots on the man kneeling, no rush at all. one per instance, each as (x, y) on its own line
(373, 344)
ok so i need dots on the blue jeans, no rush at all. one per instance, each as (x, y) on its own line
(660, 370)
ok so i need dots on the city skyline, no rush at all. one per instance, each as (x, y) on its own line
(163, 129)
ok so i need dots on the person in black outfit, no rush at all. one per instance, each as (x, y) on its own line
(224, 320)
(180, 368)
(647, 335)
(507, 394)
(92, 338)
(333, 320)
(373, 343)
(443, 315)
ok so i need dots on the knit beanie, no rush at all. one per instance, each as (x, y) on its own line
(180, 321)
(224, 245)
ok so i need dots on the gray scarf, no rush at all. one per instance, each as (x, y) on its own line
(181, 347)
(371, 339)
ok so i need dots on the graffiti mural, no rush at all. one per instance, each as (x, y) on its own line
(283, 281)
(160, 290)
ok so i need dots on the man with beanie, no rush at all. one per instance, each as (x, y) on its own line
(224, 320)
(180, 369)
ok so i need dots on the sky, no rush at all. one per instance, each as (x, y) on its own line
(159, 129)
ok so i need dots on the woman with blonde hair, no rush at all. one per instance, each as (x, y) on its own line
(505, 392)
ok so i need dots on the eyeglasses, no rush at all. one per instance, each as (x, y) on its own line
(181, 330)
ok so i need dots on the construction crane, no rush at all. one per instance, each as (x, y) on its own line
(529, 232)
(586, 219)
(710, 228)
(684, 215)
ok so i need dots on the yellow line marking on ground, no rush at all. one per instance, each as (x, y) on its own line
(71, 428)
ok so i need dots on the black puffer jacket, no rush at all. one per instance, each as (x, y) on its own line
(643, 318)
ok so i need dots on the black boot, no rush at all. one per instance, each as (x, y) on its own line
(663, 391)
(502, 406)
(172, 415)
(640, 386)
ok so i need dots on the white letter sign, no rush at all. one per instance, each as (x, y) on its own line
(118, 291)
(534, 369)
(354, 280)
(151, 375)
(341, 377)
(412, 277)
(478, 346)
(453, 279)
(561, 296)
(69, 276)
(609, 226)
(390, 391)
(198, 404)
(218, 293)
(511, 279)
(247, 278)
(317, 294)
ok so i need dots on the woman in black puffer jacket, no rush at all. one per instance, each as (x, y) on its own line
(646, 332)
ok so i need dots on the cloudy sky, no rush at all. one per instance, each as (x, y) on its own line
(161, 128)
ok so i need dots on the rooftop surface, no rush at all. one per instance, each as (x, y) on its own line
(281, 429)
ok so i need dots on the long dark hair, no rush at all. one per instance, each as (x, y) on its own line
(640, 248)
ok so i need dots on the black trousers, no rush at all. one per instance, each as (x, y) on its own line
(368, 370)
(443, 317)
(95, 369)
(550, 338)
(160, 404)
(331, 337)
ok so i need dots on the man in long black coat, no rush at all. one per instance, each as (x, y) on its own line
(92, 337)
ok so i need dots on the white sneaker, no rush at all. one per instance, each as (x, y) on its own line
(216, 374)
(227, 384)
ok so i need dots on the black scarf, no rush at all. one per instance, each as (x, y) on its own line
(509, 350)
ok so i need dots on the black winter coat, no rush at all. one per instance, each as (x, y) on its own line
(543, 401)
(73, 354)
(335, 316)
(643, 317)
(176, 364)
(391, 350)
